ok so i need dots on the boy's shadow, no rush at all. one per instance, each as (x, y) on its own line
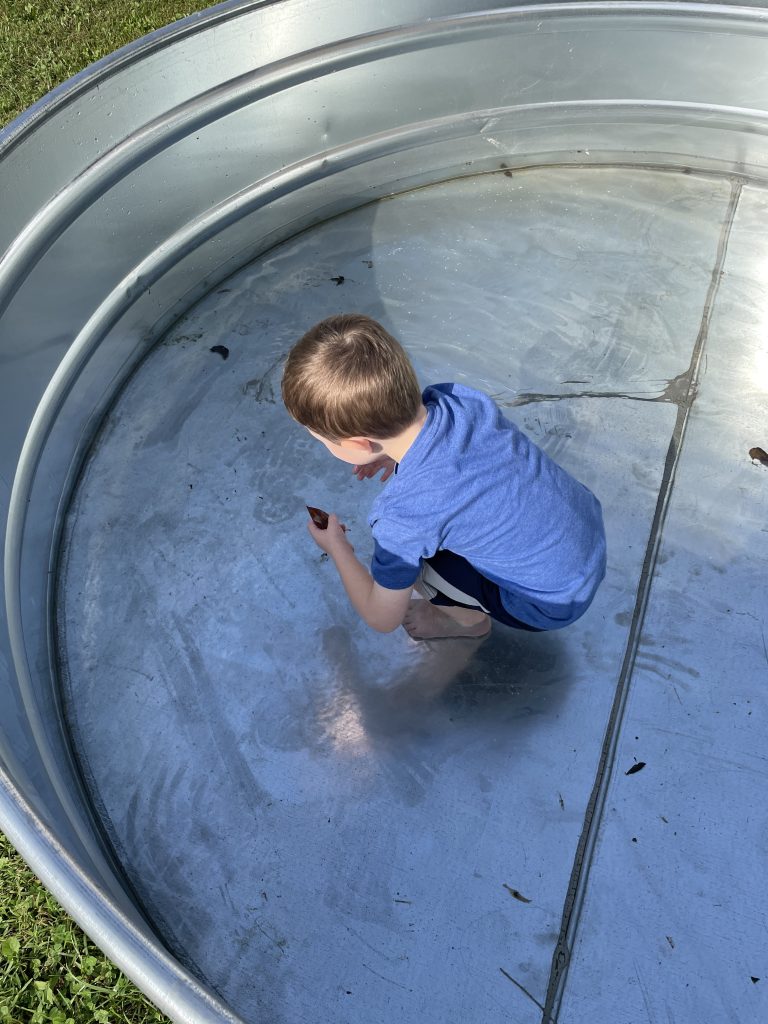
(442, 700)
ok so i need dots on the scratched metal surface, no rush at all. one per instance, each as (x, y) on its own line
(678, 880)
(345, 814)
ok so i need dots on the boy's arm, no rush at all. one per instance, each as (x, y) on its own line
(382, 609)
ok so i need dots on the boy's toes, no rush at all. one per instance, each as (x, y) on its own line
(423, 621)
(413, 622)
(410, 625)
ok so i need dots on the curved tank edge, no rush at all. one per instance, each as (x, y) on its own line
(173, 989)
(18, 129)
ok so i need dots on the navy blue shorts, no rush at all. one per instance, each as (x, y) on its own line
(461, 574)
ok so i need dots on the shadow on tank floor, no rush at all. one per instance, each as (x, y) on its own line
(290, 792)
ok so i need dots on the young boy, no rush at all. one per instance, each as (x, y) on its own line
(475, 516)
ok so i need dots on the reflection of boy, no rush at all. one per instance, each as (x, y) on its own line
(475, 515)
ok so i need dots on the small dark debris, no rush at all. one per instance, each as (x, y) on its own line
(665, 820)
(635, 768)
(515, 893)
(367, 263)
(408, 902)
(634, 839)
(190, 487)
(561, 801)
(338, 280)
(507, 172)
(753, 979)
(671, 941)
(348, 991)
(324, 556)
(759, 455)
(221, 350)
(223, 291)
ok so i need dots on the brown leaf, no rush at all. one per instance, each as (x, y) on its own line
(318, 517)
(758, 455)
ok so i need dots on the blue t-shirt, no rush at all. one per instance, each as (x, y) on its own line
(474, 484)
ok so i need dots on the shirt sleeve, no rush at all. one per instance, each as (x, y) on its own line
(391, 570)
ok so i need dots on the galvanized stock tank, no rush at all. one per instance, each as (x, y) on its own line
(258, 808)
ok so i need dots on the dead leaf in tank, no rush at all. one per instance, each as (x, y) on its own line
(318, 517)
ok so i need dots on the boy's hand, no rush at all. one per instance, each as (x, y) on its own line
(332, 539)
(370, 469)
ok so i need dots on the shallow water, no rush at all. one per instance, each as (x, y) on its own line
(289, 791)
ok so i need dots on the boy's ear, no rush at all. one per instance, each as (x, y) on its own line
(361, 444)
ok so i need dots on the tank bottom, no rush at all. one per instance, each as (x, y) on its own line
(329, 824)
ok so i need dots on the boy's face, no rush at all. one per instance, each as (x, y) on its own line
(357, 451)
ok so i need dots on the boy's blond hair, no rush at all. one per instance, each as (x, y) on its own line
(347, 377)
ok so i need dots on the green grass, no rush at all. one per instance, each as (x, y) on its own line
(42, 43)
(50, 972)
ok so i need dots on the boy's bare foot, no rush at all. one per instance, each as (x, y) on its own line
(424, 621)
